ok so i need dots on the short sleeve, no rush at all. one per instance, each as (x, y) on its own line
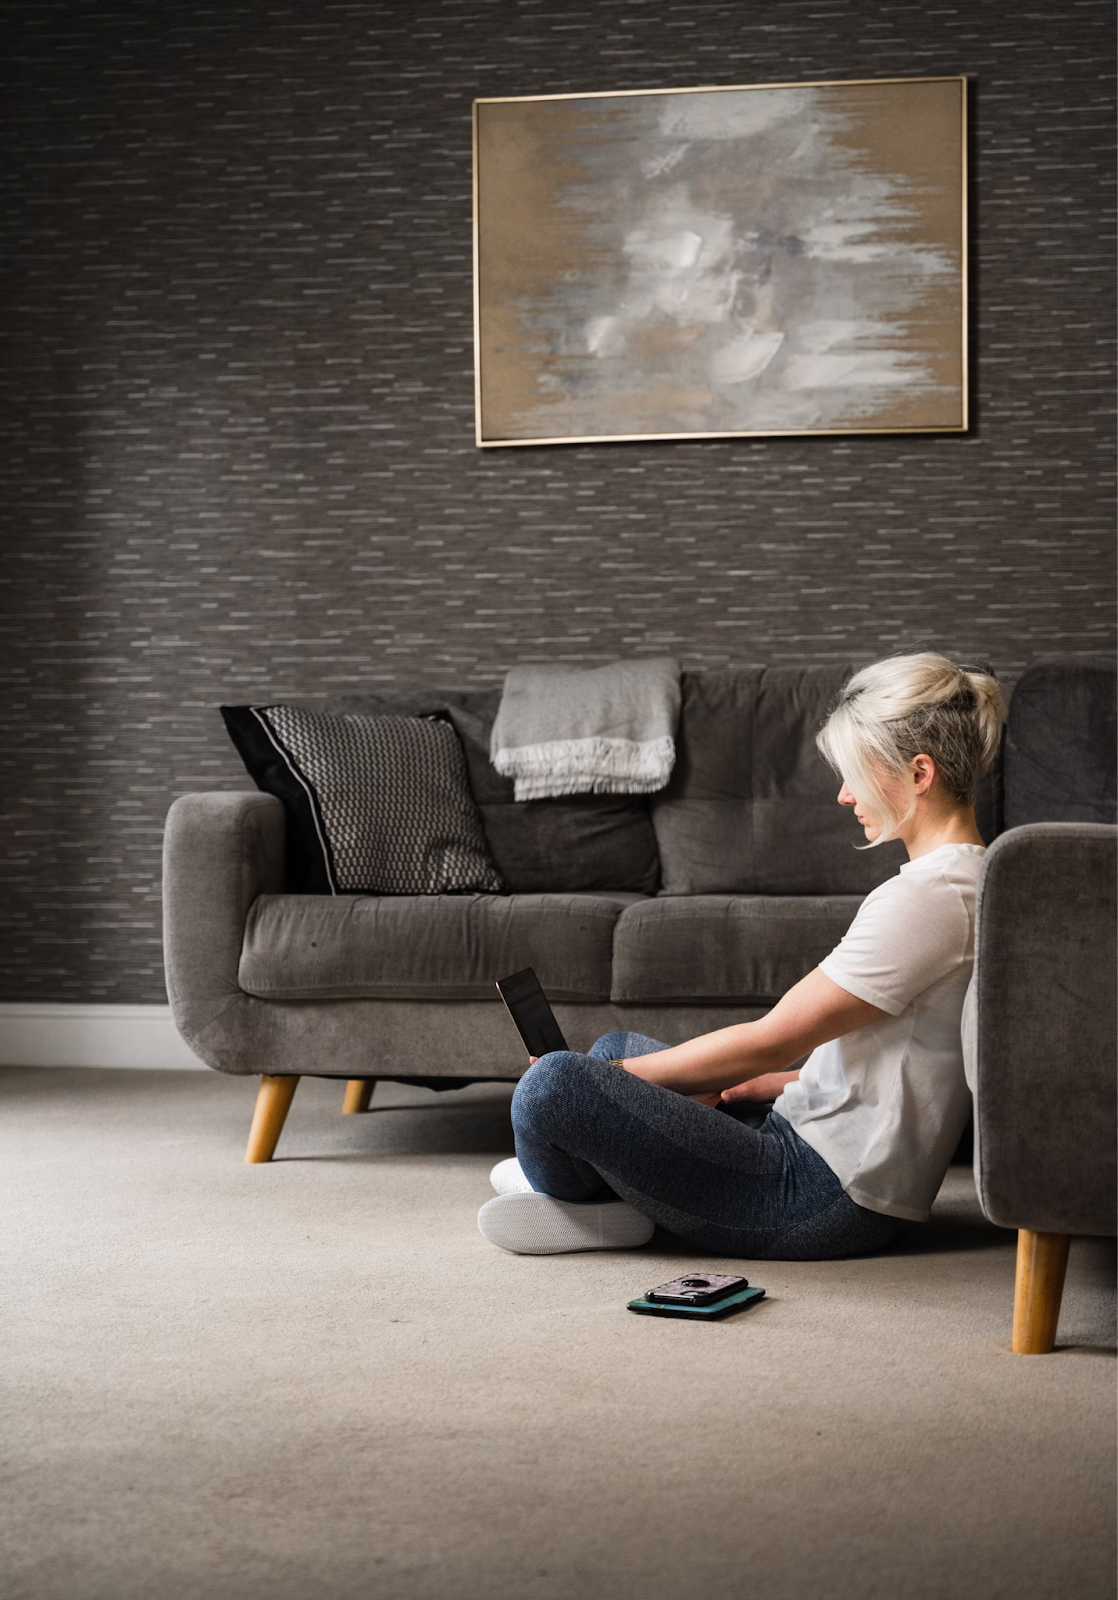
(970, 1037)
(908, 934)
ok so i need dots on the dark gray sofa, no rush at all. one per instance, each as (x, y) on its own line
(671, 914)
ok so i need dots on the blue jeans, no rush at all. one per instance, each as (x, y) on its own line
(736, 1183)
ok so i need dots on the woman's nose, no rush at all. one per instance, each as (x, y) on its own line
(845, 797)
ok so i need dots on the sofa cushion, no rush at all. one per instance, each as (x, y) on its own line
(375, 805)
(415, 947)
(751, 804)
(579, 842)
(724, 947)
(1060, 744)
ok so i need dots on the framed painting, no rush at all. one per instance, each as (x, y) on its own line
(708, 263)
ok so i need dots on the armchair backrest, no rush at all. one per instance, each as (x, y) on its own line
(1040, 1032)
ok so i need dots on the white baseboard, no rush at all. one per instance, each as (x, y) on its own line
(43, 1034)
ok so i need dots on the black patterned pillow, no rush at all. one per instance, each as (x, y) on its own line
(375, 805)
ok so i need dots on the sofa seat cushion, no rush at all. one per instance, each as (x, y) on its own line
(723, 946)
(417, 947)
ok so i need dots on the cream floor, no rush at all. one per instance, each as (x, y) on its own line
(316, 1379)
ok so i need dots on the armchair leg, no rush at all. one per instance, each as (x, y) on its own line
(272, 1105)
(1042, 1260)
(358, 1095)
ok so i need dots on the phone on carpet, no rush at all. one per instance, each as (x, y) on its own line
(705, 1295)
(531, 1015)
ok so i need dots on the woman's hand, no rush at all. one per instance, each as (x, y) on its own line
(769, 1086)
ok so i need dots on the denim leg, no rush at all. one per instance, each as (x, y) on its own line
(732, 1188)
(548, 1168)
(684, 1164)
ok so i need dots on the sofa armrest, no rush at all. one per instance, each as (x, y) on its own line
(219, 852)
(1039, 1034)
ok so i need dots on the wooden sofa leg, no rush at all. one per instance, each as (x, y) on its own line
(358, 1095)
(1042, 1261)
(272, 1105)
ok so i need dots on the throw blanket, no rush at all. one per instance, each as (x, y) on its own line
(602, 730)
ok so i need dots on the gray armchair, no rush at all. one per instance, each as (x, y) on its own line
(1040, 1046)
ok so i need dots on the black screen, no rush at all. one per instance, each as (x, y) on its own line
(529, 1010)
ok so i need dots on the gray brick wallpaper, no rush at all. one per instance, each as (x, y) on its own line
(238, 456)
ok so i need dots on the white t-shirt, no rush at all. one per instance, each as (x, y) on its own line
(885, 1106)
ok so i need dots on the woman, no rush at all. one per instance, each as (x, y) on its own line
(636, 1133)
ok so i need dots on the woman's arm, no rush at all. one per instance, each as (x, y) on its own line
(769, 1086)
(812, 1012)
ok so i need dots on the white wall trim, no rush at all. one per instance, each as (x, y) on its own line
(45, 1034)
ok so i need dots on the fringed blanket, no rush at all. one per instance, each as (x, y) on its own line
(599, 730)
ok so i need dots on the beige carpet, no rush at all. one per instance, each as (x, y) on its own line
(316, 1379)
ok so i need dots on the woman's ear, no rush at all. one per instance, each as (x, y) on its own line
(923, 770)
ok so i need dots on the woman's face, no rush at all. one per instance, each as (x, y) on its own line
(870, 819)
(902, 793)
(871, 822)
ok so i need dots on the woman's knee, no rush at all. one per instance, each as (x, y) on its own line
(546, 1086)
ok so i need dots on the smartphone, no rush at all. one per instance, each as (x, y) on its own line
(697, 1289)
(692, 1297)
(531, 1015)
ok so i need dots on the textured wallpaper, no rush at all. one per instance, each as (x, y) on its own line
(237, 456)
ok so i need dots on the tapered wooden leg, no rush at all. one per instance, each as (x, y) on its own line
(358, 1095)
(272, 1105)
(1042, 1260)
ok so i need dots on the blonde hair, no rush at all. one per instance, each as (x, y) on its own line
(908, 706)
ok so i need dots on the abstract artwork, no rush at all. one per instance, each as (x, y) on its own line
(706, 262)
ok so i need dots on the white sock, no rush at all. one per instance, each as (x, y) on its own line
(508, 1177)
(530, 1224)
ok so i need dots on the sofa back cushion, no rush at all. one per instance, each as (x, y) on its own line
(570, 845)
(751, 807)
(1060, 745)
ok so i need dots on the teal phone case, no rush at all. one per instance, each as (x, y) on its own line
(720, 1308)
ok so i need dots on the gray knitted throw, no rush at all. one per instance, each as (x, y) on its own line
(598, 730)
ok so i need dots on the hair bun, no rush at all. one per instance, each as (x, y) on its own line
(991, 708)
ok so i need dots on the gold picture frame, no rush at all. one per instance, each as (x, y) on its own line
(740, 262)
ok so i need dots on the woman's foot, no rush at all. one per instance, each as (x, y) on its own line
(507, 1178)
(531, 1224)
